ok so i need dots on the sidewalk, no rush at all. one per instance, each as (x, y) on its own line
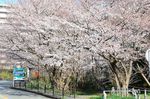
(36, 92)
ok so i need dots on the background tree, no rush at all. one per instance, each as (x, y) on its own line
(71, 34)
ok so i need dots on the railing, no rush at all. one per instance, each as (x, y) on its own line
(133, 93)
(44, 88)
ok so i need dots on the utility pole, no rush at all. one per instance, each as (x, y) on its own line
(38, 78)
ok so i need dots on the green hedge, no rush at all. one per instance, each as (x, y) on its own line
(6, 75)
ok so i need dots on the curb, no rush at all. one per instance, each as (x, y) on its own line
(39, 93)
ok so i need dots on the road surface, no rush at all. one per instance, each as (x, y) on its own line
(7, 93)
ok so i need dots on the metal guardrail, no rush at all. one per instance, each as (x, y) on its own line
(135, 92)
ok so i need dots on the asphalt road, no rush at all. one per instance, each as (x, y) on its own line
(7, 93)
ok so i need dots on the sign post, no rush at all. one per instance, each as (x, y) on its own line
(19, 75)
(148, 56)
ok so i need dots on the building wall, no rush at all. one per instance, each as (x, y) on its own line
(5, 62)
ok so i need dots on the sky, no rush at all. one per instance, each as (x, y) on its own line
(2, 1)
(7, 1)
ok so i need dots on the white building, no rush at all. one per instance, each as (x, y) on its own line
(5, 62)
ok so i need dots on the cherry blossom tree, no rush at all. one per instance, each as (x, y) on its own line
(45, 38)
(53, 34)
(114, 30)
(122, 38)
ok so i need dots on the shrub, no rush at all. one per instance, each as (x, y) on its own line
(6, 75)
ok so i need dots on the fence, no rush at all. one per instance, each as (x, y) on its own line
(126, 93)
(45, 88)
(37, 87)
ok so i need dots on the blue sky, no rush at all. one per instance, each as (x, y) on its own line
(2, 1)
(7, 1)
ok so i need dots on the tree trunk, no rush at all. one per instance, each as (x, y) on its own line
(122, 78)
(122, 86)
(147, 81)
(117, 83)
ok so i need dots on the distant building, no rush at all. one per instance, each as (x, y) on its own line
(5, 62)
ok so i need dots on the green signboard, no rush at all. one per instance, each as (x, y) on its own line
(19, 73)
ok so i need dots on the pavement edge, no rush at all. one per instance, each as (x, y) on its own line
(39, 93)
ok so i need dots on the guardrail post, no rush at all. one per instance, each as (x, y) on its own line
(19, 84)
(13, 83)
(138, 93)
(145, 94)
(45, 88)
(104, 95)
(31, 86)
(25, 85)
(134, 93)
(118, 91)
(38, 87)
(113, 90)
(63, 93)
(127, 92)
(136, 97)
(122, 92)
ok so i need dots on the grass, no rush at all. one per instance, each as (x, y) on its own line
(6, 75)
(118, 97)
(96, 97)
(142, 96)
(111, 97)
